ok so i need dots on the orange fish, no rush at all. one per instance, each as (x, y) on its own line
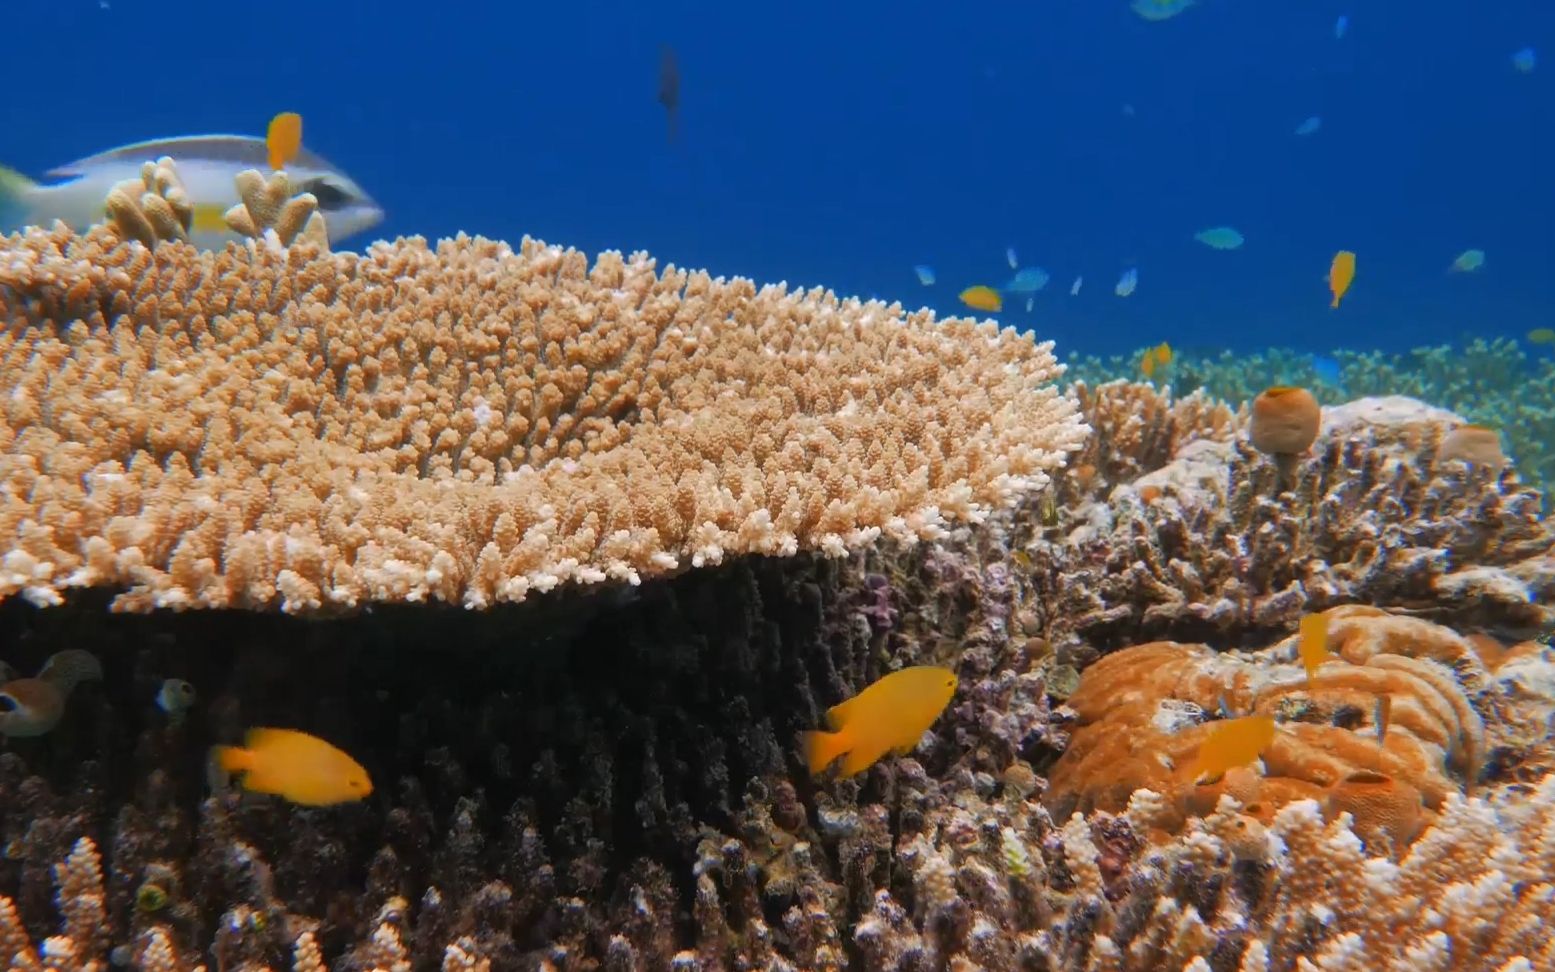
(284, 138)
(1313, 643)
(1155, 358)
(295, 766)
(1232, 743)
(891, 715)
(1340, 273)
(982, 298)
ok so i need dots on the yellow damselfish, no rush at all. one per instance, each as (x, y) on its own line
(294, 765)
(1313, 644)
(890, 715)
(982, 298)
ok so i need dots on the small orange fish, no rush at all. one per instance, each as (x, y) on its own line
(891, 715)
(295, 766)
(1340, 273)
(982, 298)
(284, 138)
(1313, 643)
(1155, 359)
(1232, 743)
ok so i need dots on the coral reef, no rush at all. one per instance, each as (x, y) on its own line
(1218, 543)
(267, 428)
(1143, 711)
(1495, 383)
(611, 779)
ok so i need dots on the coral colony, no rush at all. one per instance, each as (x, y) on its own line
(503, 588)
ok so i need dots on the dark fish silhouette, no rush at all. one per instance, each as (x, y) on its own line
(669, 88)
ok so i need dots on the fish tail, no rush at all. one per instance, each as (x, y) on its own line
(225, 761)
(821, 748)
(15, 189)
(1336, 301)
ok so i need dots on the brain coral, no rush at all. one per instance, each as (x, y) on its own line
(264, 427)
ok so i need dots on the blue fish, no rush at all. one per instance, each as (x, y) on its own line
(1027, 281)
(1328, 370)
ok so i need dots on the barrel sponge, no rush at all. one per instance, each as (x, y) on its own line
(282, 428)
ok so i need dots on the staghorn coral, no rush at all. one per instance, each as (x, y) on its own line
(315, 432)
(269, 205)
(1143, 711)
(1217, 541)
(152, 209)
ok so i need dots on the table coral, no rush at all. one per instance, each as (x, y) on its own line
(272, 428)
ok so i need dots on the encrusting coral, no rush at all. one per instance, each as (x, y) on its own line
(282, 428)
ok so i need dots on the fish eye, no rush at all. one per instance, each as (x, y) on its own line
(329, 195)
(8, 704)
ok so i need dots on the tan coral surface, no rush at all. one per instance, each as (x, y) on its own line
(267, 428)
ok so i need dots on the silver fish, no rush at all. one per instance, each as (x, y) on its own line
(207, 165)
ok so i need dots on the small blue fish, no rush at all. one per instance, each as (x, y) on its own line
(1341, 27)
(1328, 370)
(925, 274)
(1009, 257)
(1310, 126)
(1074, 288)
(1027, 281)
(1524, 60)
(1127, 282)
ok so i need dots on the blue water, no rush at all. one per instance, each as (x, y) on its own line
(841, 143)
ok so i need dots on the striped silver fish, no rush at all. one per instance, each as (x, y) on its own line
(207, 165)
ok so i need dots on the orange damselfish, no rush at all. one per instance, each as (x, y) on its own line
(1340, 273)
(1232, 743)
(982, 298)
(301, 768)
(890, 715)
(1313, 644)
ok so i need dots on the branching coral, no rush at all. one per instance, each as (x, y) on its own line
(269, 204)
(152, 209)
(288, 429)
(1218, 541)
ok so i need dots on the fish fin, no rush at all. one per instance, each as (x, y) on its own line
(245, 150)
(1336, 301)
(13, 183)
(856, 761)
(837, 715)
(821, 748)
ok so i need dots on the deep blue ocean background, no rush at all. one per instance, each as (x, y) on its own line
(841, 143)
